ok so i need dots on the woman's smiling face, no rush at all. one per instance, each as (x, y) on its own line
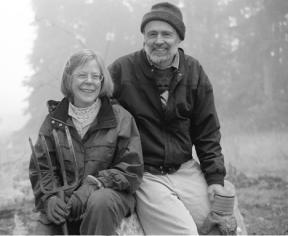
(86, 84)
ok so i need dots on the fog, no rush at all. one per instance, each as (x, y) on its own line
(242, 45)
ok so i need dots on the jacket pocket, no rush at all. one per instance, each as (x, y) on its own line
(98, 157)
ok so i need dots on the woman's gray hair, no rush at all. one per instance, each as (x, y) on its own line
(78, 59)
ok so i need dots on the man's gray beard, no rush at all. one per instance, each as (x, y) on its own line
(158, 60)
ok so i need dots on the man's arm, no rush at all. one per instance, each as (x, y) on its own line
(205, 132)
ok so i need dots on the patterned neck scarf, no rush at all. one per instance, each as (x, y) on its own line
(83, 117)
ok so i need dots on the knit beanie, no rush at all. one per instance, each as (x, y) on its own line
(167, 12)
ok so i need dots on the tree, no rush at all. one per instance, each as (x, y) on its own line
(260, 28)
(242, 45)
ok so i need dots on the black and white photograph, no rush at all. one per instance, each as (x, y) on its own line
(144, 117)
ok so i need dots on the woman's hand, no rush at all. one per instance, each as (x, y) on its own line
(75, 206)
(57, 210)
(78, 200)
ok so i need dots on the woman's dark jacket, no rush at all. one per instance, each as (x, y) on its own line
(110, 150)
(190, 118)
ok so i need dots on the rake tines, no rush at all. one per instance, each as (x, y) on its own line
(55, 188)
(51, 168)
(71, 148)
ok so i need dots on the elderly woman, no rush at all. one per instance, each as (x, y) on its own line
(107, 149)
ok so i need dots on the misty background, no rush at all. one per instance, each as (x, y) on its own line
(242, 45)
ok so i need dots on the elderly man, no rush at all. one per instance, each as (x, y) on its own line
(172, 101)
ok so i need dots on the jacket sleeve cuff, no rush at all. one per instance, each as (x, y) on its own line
(96, 181)
(215, 179)
(103, 181)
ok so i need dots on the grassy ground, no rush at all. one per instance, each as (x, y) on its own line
(256, 164)
(264, 206)
(263, 203)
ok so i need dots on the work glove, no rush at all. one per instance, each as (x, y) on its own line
(221, 219)
(219, 224)
(78, 200)
(75, 208)
(56, 210)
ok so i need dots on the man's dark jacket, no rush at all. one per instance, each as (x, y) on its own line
(190, 118)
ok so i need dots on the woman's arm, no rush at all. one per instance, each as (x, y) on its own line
(127, 169)
(46, 177)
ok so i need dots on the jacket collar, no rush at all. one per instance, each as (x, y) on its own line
(143, 65)
(59, 114)
(59, 110)
(106, 117)
(148, 68)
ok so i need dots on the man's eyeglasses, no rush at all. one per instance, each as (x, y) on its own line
(94, 76)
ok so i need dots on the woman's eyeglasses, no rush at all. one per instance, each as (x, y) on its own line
(94, 76)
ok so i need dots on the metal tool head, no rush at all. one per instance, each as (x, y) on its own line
(56, 187)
